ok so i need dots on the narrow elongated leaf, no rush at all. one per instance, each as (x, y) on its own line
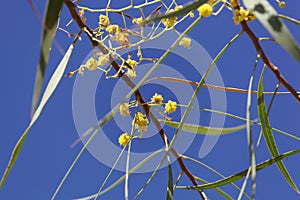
(122, 178)
(185, 10)
(268, 134)
(241, 174)
(268, 17)
(55, 79)
(220, 191)
(170, 190)
(204, 129)
(51, 19)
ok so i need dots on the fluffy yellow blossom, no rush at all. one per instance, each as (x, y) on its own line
(170, 107)
(131, 73)
(112, 29)
(157, 98)
(241, 15)
(138, 21)
(124, 109)
(103, 60)
(122, 38)
(281, 4)
(169, 22)
(141, 122)
(185, 42)
(131, 62)
(103, 21)
(124, 139)
(91, 64)
(205, 10)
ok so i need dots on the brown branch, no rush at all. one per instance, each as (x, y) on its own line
(267, 61)
(96, 43)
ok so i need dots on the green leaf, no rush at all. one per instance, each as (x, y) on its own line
(268, 135)
(170, 190)
(218, 190)
(204, 129)
(49, 29)
(55, 79)
(241, 174)
(185, 10)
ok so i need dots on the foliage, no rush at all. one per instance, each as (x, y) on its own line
(108, 59)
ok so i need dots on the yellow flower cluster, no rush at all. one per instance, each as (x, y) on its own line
(141, 122)
(281, 4)
(138, 21)
(124, 139)
(169, 22)
(242, 14)
(170, 107)
(131, 62)
(157, 99)
(112, 29)
(205, 10)
(124, 109)
(122, 38)
(103, 21)
(185, 42)
(91, 64)
(103, 60)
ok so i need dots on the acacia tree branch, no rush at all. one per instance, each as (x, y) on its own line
(264, 57)
(97, 44)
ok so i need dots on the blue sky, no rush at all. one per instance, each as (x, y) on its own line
(47, 155)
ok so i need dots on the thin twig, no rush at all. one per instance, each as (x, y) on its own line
(97, 44)
(267, 61)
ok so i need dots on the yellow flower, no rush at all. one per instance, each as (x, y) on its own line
(185, 42)
(103, 60)
(124, 109)
(124, 139)
(169, 22)
(138, 21)
(170, 107)
(281, 4)
(91, 64)
(141, 122)
(122, 38)
(112, 29)
(103, 21)
(131, 73)
(131, 62)
(241, 15)
(157, 98)
(205, 10)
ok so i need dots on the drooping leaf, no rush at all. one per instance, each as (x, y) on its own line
(185, 10)
(204, 129)
(55, 79)
(240, 175)
(170, 190)
(268, 17)
(51, 19)
(268, 134)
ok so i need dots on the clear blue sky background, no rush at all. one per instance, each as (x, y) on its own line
(47, 154)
